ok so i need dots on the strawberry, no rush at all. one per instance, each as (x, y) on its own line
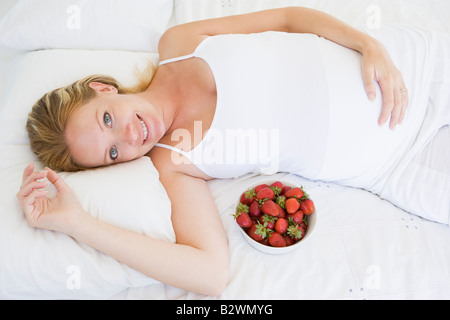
(242, 208)
(269, 207)
(281, 201)
(302, 225)
(276, 240)
(258, 232)
(294, 193)
(292, 205)
(277, 184)
(281, 225)
(259, 187)
(265, 193)
(248, 197)
(284, 190)
(254, 210)
(288, 239)
(307, 206)
(295, 232)
(277, 187)
(296, 217)
(267, 221)
(281, 212)
(244, 220)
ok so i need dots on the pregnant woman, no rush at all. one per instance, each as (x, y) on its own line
(289, 89)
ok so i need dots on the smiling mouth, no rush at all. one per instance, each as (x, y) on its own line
(144, 128)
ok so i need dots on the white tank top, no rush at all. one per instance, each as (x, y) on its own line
(294, 103)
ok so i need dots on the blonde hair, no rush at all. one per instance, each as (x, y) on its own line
(48, 118)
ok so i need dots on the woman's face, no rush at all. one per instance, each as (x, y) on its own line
(112, 128)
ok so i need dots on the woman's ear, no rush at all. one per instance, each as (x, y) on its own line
(102, 87)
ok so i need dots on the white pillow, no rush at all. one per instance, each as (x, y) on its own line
(85, 24)
(40, 264)
(43, 264)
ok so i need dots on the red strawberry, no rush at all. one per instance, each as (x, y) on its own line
(277, 184)
(302, 225)
(276, 240)
(243, 219)
(254, 210)
(248, 197)
(285, 189)
(296, 217)
(307, 206)
(281, 225)
(289, 240)
(296, 232)
(267, 221)
(281, 200)
(257, 188)
(269, 207)
(257, 232)
(281, 212)
(265, 193)
(294, 193)
(277, 188)
(292, 205)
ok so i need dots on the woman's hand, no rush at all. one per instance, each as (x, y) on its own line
(378, 66)
(59, 213)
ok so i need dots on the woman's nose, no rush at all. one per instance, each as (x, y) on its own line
(131, 134)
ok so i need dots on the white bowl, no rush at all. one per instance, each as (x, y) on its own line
(311, 219)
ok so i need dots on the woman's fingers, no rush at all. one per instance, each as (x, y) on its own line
(405, 103)
(27, 189)
(37, 175)
(31, 198)
(31, 191)
(377, 67)
(386, 87)
(27, 172)
(395, 102)
(369, 83)
(31, 180)
(32, 205)
(56, 180)
(396, 111)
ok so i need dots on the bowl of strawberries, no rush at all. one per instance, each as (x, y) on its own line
(275, 217)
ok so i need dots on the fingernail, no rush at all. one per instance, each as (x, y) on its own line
(372, 96)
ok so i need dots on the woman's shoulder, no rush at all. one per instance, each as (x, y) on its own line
(169, 162)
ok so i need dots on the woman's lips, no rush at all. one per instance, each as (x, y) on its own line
(145, 130)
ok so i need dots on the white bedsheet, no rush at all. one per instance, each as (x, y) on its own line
(363, 247)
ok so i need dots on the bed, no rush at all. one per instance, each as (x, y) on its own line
(362, 247)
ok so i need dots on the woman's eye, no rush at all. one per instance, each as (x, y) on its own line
(107, 119)
(113, 153)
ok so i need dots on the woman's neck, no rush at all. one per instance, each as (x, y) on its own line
(162, 95)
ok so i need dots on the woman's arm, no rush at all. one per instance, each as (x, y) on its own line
(376, 63)
(198, 262)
